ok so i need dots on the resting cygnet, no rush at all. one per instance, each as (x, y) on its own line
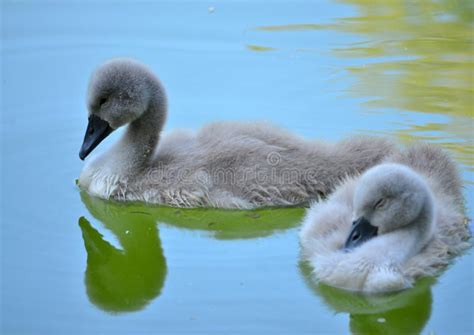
(226, 165)
(400, 220)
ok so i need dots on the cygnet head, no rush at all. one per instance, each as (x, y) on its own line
(389, 197)
(120, 92)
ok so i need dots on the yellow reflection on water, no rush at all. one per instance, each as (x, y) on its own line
(255, 47)
(419, 58)
(294, 27)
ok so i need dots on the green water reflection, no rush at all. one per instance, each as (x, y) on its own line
(406, 312)
(417, 56)
(127, 279)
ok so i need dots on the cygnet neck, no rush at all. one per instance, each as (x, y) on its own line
(424, 222)
(141, 137)
(415, 236)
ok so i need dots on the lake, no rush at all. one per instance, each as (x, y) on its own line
(73, 264)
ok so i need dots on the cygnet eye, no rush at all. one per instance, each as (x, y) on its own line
(380, 203)
(355, 237)
(102, 101)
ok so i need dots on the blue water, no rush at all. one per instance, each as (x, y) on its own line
(219, 60)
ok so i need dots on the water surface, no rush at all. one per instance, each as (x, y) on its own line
(323, 69)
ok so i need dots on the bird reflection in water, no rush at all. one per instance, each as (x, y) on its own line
(404, 312)
(129, 278)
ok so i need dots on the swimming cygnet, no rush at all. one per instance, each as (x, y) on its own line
(226, 164)
(399, 220)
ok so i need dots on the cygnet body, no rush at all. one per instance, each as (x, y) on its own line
(225, 165)
(398, 221)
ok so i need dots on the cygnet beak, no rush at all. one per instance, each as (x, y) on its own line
(97, 130)
(361, 231)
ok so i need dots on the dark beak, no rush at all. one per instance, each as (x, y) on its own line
(361, 231)
(97, 130)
